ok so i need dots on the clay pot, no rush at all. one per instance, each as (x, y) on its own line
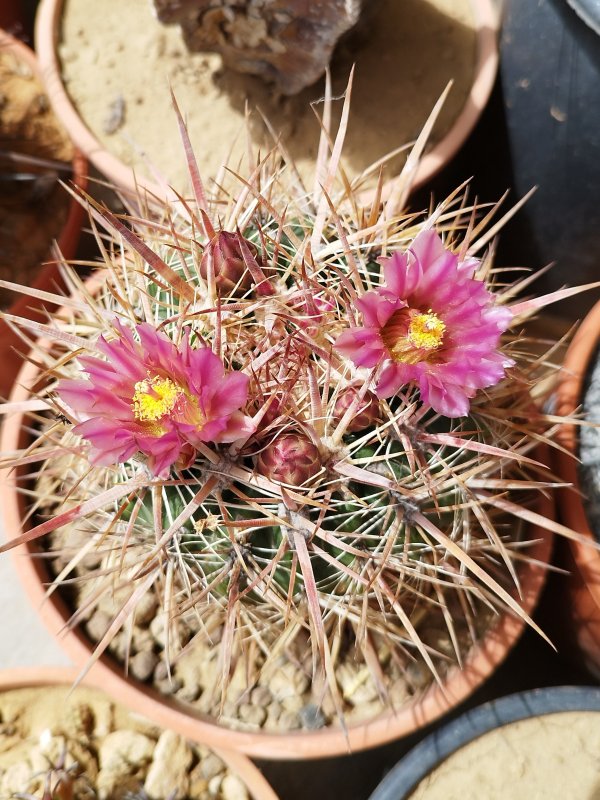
(48, 277)
(580, 599)
(459, 684)
(34, 677)
(401, 782)
(121, 175)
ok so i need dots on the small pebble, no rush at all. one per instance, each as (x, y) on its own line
(288, 721)
(210, 766)
(161, 672)
(417, 675)
(292, 703)
(261, 696)
(141, 640)
(146, 609)
(188, 693)
(97, 625)
(119, 750)
(398, 692)
(162, 681)
(168, 772)
(287, 681)
(311, 717)
(116, 116)
(233, 789)
(143, 664)
(274, 711)
(253, 714)
(168, 687)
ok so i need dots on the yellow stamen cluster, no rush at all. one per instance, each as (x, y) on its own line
(154, 397)
(426, 331)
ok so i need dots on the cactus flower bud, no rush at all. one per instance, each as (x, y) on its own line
(290, 458)
(187, 456)
(223, 254)
(274, 410)
(367, 413)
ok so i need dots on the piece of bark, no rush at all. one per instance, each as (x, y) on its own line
(289, 42)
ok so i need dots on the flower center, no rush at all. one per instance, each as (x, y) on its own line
(411, 336)
(154, 397)
(426, 331)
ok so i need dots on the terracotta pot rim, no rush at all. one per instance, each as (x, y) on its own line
(330, 741)
(36, 677)
(567, 400)
(46, 38)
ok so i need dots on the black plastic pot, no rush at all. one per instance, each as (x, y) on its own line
(589, 11)
(404, 778)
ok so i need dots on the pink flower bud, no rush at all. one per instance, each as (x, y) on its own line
(291, 458)
(187, 456)
(223, 254)
(367, 413)
(274, 410)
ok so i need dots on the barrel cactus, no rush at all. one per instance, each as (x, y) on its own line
(298, 416)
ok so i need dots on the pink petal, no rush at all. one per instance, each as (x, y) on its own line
(162, 452)
(393, 377)
(361, 345)
(402, 274)
(123, 357)
(377, 307)
(159, 351)
(112, 443)
(428, 247)
(238, 425)
(230, 394)
(206, 369)
(447, 399)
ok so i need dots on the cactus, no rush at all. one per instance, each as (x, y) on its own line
(296, 414)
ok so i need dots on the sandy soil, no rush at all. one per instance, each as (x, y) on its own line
(554, 757)
(120, 84)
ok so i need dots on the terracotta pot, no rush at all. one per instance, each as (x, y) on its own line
(401, 782)
(581, 602)
(34, 677)
(48, 277)
(47, 35)
(460, 683)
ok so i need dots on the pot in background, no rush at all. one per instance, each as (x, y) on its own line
(37, 677)
(415, 775)
(580, 595)
(48, 276)
(121, 175)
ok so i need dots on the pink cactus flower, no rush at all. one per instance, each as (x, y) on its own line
(432, 324)
(155, 399)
